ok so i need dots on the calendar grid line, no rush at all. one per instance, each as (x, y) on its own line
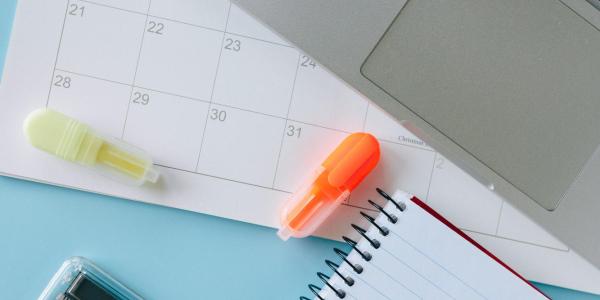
(171, 94)
(516, 240)
(212, 92)
(212, 102)
(238, 108)
(137, 66)
(364, 208)
(114, 7)
(255, 185)
(406, 145)
(186, 23)
(287, 115)
(62, 30)
(223, 178)
(370, 209)
(260, 40)
(364, 124)
(500, 216)
(431, 176)
(135, 86)
(92, 76)
(60, 62)
(252, 111)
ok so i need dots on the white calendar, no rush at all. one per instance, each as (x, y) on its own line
(235, 118)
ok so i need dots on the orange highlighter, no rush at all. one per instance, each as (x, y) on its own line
(331, 184)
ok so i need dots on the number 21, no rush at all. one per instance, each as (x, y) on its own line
(76, 10)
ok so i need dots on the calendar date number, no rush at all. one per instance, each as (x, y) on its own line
(307, 62)
(156, 28)
(62, 81)
(293, 131)
(141, 98)
(218, 115)
(76, 10)
(233, 45)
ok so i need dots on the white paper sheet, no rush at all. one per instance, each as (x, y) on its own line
(233, 116)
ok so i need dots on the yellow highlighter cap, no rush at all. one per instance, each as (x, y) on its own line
(62, 136)
(76, 142)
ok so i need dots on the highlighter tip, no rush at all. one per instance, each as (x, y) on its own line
(152, 175)
(284, 233)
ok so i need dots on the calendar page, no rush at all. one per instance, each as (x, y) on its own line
(235, 118)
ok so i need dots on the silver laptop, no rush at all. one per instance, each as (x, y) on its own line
(509, 90)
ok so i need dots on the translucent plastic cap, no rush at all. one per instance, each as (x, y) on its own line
(74, 141)
(330, 185)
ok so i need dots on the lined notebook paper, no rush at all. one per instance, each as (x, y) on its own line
(423, 257)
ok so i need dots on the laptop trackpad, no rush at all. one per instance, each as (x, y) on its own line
(515, 83)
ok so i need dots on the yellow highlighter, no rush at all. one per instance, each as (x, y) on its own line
(76, 142)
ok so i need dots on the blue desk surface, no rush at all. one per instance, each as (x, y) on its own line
(159, 252)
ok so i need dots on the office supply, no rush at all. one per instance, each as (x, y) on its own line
(79, 279)
(409, 251)
(52, 201)
(507, 89)
(330, 185)
(74, 141)
(251, 161)
(139, 244)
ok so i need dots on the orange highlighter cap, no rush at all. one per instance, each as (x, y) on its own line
(330, 185)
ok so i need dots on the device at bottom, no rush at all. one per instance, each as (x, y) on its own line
(79, 279)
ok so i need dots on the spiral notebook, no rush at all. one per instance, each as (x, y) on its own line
(410, 251)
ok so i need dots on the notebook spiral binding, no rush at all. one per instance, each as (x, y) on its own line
(357, 268)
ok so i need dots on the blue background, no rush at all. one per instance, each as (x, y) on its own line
(160, 253)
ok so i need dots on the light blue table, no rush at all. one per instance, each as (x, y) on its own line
(159, 252)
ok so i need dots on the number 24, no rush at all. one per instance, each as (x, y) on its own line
(307, 62)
